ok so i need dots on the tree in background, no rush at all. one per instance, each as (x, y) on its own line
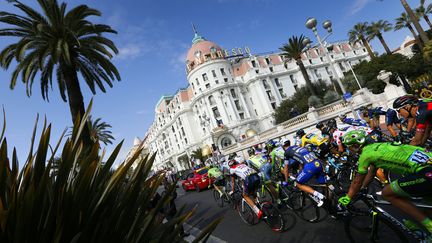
(99, 131)
(375, 29)
(404, 21)
(301, 100)
(61, 43)
(360, 33)
(294, 50)
(423, 12)
(414, 19)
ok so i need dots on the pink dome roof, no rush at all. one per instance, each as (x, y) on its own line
(204, 46)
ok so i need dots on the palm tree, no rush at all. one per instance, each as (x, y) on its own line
(294, 49)
(404, 21)
(360, 32)
(63, 43)
(376, 29)
(99, 131)
(423, 12)
(415, 22)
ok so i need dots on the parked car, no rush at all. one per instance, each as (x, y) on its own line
(196, 180)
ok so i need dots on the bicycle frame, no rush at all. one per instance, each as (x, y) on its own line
(376, 211)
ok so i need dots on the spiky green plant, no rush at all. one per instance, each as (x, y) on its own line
(84, 202)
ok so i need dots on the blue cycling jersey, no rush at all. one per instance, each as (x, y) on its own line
(376, 111)
(355, 122)
(392, 117)
(297, 154)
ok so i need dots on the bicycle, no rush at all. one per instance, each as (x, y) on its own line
(221, 196)
(366, 220)
(271, 215)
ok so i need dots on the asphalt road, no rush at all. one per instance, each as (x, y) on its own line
(233, 229)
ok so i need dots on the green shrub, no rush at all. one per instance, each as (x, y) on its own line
(83, 201)
(330, 96)
(314, 101)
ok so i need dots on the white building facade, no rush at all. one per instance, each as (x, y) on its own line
(229, 98)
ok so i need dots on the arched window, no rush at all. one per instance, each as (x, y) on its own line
(211, 100)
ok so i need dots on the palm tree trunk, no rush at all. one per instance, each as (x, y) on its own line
(75, 100)
(367, 46)
(305, 76)
(414, 19)
(416, 37)
(386, 48)
(428, 21)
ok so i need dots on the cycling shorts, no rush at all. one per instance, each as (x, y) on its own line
(251, 183)
(417, 184)
(266, 171)
(220, 181)
(311, 169)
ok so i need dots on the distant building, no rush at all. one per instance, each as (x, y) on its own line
(232, 95)
(406, 48)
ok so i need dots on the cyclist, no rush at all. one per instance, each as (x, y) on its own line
(298, 156)
(409, 106)
(251, 182)
(216, 175)
(276, 153)
(410, 161)
(262, 164)
(372, 115)
(337, 134)
(352, 121)
(314, 142)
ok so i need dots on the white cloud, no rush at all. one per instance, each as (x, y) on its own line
(358, 6)
(129, 51)
(142, 112)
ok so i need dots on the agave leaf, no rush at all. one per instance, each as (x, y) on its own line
(33, 138)
(4, 125)
(83, 122)
(41, 154)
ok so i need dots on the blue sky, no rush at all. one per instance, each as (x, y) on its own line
(153, 39)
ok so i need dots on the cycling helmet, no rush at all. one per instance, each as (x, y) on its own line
(327, 130)
(232, 156)
(354, 137)
(285, 142)
(319, 125)
(342, 116)
(403, 101)
(270, 144)
(331, 123)
(251, 151)
(300, 133)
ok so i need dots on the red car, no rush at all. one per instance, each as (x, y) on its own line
(196, 180)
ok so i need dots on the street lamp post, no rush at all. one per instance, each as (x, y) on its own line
(311, 23)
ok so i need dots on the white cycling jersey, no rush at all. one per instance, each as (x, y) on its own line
(241, 170)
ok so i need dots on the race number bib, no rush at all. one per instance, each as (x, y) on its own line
(419, 157)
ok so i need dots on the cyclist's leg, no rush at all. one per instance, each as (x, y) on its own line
(304, 176)
(416, 184)
(250, 185)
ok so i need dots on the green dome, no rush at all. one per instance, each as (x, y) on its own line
(197, 38)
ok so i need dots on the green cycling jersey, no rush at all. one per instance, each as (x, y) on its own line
(277, 155)
(402, 159)
(214, 173)
(258, 161)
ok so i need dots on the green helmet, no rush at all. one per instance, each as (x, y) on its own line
(354, 137)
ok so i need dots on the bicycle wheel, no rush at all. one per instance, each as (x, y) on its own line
(265, 195)
(217, 197)
(246, 213)
(307, 210)
(344, 178)
(272, 217)
(362, 226)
